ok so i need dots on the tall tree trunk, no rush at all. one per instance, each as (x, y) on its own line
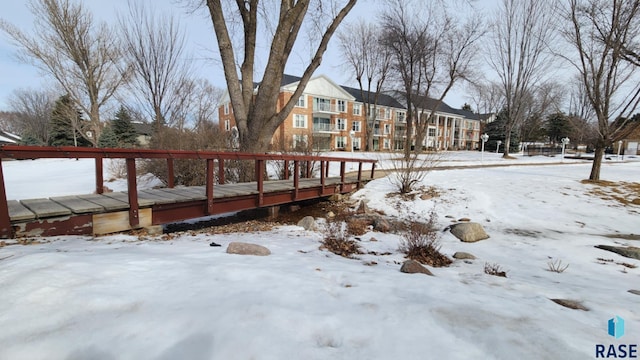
(597, 163)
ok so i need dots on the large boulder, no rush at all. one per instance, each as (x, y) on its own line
(414, 267)
(308, 223)
(461, 255)
(628, 251)
(241, 248)
(469, 232)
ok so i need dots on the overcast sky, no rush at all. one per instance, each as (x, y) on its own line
(200, 39)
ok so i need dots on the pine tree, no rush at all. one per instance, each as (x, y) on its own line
(61, 126)
(123, 129)
(108, 138)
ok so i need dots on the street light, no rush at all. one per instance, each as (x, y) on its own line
(565, 141)
(619, 146)
(484, 138)
(498, 147)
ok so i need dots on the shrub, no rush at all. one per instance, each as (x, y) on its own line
(556, 266)
(420, 242)
(494, 269)
(357, 227)
(336, 239)
(408, 172)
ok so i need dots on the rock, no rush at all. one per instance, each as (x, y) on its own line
(331, 215)
(469, 232)
(294, 208)
(571, 304)
(630, 252)
(241, 248)
(363, 208)
(460, 255)
(414, 267)
(381, 224)
(336, 197)
(425, 197)
(635, 292)
(449, 216)
(308, 223)
(464, 219)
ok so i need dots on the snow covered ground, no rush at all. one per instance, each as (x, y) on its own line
(121, 297)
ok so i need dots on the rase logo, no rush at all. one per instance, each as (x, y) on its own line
(615, 328)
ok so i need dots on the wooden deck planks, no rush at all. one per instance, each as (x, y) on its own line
(142, 202)
(108, 203)
(43, 208)
(78, 205)
(18, 212)
(185, 193)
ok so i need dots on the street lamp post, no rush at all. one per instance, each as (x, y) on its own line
(498, 143)
(565, 141)
(484, 139)
(619, 146)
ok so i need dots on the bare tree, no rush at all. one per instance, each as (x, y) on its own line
(364, 53)
(431, 54)
(522, 33)
(255, 111)
(81, 55)
(33, 109)
(155, 45)
(486, 96)
(598, 31)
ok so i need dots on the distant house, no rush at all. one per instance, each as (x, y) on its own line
(8, 138)
(144, 131)
(630, 137)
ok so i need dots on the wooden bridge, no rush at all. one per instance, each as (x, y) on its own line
(106, 212)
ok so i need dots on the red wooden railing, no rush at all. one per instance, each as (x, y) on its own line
(208, 157)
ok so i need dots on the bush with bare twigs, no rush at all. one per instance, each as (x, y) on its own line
(556, 266)
(494, 269)
(420, 242)
(335, 238)
(407, 173)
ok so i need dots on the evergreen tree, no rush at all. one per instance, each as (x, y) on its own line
(31, 140)
(558, 126)
(62, 132)
(496, 131)
(125, 133)
(108, 138)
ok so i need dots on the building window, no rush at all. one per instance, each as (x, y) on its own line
(300, 141)
(401, 116)
(385, 144)
(387, 113)
(226, 108)
(301, 102)
(432, 132)
(342, 106)
(341, 142)
(227, 125)
(357, 109)
(300, 121)
(341, 124)
(356, 126)
(387, 129)
(356, 143)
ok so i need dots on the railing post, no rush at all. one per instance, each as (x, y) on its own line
(322, 177)
(327, 170)
(221, 171)
(132, 188)
(260, 163)
(209, 184)
(296, 179)
(99, 176)
(170, 173)
(373, 169)
(5, 220)
(342, 174)
(359, 175)
(308, 172)
(286, 170)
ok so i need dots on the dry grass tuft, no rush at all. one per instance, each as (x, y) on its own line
(420, 243)
(336, 239)
(494, 269)
(556, 266)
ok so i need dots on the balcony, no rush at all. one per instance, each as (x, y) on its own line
(325, 108)
(325, 128)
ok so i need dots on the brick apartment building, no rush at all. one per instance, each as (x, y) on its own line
(331, 117)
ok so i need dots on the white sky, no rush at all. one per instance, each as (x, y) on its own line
(200, 39)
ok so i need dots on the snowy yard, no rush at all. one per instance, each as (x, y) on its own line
(122, 297)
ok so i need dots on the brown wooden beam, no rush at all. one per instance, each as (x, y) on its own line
(99, 176)
(209, 184)
(132, 188)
